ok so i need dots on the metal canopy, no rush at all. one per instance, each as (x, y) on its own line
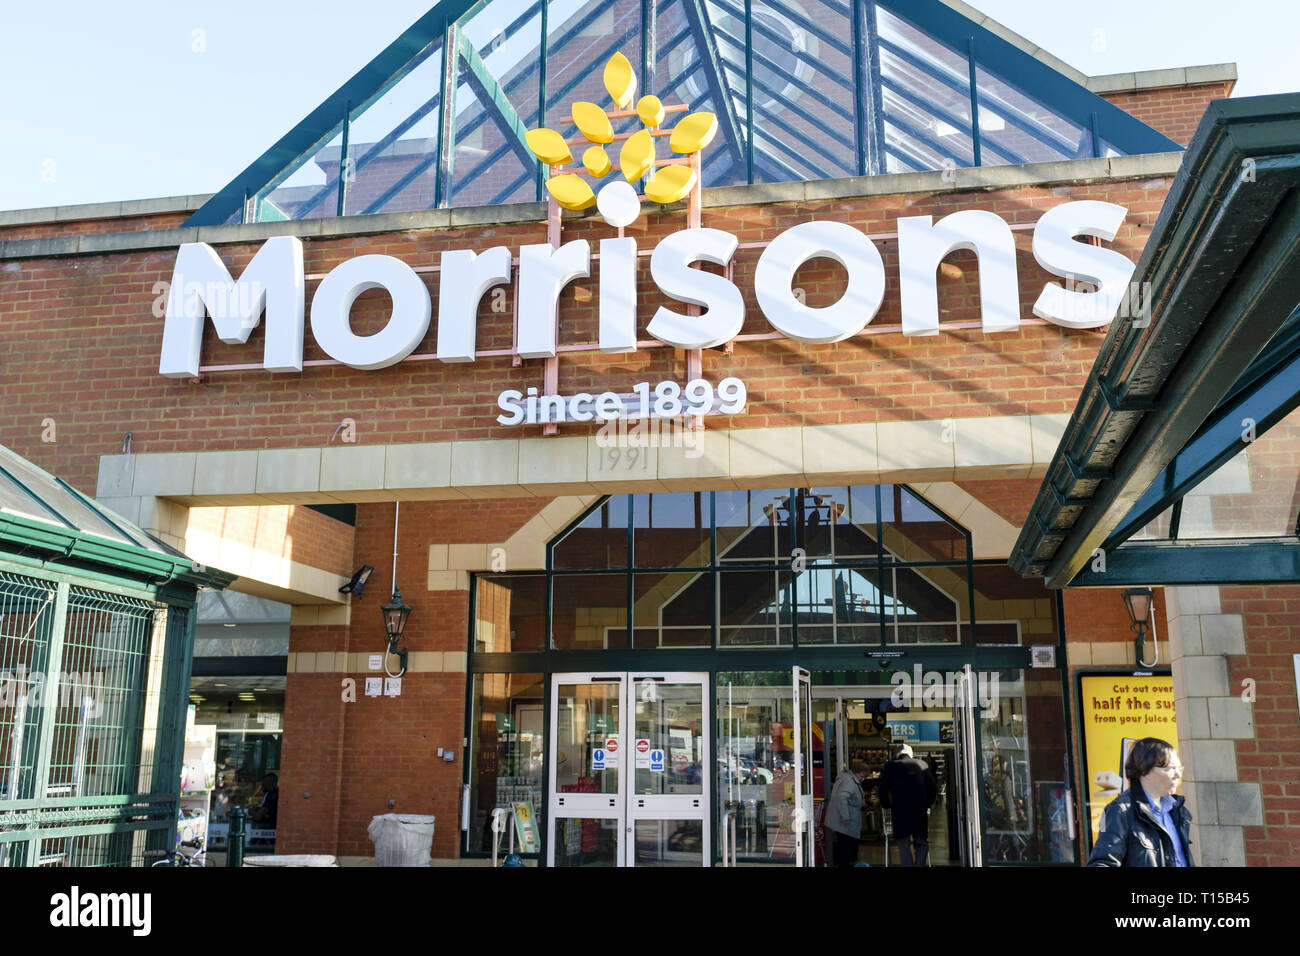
(1215, 343)
(42, 514)
(804, 89)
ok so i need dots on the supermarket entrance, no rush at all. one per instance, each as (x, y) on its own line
(865, 724)
(629, 777)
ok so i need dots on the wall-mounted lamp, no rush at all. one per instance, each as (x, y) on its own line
(1138, 602)
(358, 582)
(395, 613)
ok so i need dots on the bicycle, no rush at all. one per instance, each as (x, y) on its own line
(178, 856)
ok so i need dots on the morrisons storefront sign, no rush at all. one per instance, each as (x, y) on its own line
(273, 284)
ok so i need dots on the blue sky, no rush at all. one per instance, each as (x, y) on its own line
(152, 98)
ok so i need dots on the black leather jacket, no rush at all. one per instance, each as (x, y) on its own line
(1131, 834)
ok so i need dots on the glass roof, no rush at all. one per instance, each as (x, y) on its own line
(803, 90)
(29, 492)
(1255, 494)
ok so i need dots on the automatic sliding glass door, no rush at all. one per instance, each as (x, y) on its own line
(629, 770)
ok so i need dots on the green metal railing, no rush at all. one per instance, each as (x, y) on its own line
(91, 719)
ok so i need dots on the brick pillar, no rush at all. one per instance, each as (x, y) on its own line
(311, 777)
(1212, 717)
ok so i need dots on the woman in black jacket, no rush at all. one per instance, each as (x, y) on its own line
(1146, 825)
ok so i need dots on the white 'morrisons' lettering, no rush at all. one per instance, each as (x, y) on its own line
(670, 266)
(1058, 253)
(463, 280)
(774, 275)
(618, 295)
(544, 271)
(923, 244)
(331, 310)
(201, 284)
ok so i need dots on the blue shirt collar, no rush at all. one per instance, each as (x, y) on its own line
(1163, 805)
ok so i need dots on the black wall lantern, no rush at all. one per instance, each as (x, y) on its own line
(1139, 602)
(395, 614)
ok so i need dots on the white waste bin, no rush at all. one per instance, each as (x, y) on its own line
(402, 839)
(287, 859)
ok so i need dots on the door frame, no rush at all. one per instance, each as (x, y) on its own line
(625, 805)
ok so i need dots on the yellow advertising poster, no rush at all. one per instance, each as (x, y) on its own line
(1119, 709)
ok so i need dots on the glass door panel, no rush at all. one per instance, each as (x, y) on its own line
(587, 779)
(804, 824)
(668, 810)
(579, 841)
(967, 767)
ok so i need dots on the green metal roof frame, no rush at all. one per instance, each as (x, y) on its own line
(1217, 337)
(982, 47)
(61, 543)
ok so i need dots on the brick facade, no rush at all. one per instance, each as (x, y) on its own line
(1174, 111)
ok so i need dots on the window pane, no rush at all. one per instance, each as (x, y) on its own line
(681, 78)
(1010, 609)
(599, 542)
(506, 753)
(838, 523)
(589, 611)
(755, 608)
(1023, 129)
(838, 606)
(922, 605)
(1254, 494)
(311, 188)
(672, 720)
(510, 614)
(585, 715)
(578, 47)
(671, 530)
(490, 165)
(925, 94)
(914, 531)
(673, 610)
(393, 144)
(1022, 736)
(753, 526)
(803, 83)
(669, 843)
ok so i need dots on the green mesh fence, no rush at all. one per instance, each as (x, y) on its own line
(91, 719)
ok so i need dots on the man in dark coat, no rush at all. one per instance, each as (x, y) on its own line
(908, 788)
(1147, 824)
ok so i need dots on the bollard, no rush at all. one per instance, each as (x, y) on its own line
(235, 839)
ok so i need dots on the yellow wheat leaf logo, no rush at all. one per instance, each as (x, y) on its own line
(670, 180)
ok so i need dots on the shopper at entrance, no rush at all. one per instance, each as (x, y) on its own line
(908, 788)
(266, 811)
(844, 814)
(1147, 824)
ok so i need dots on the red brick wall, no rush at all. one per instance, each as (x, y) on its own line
(83, 227)
(1271, 618)
(1174, 111)
(308, 536)
(355, 757)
